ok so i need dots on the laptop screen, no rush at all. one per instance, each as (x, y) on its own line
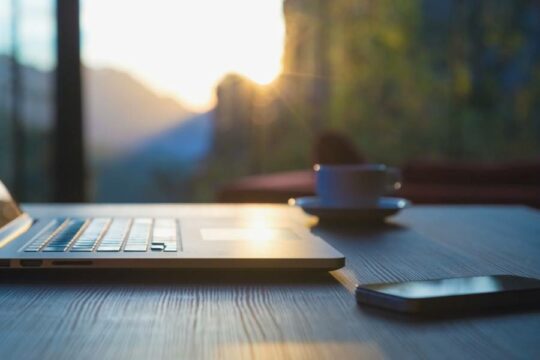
(8, 207)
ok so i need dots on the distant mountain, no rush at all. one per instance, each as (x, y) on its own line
(189, 141)
(141, 146)
(159, 168)
(121, 112)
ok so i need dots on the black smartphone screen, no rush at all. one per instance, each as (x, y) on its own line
(9, 210)
(464, 292)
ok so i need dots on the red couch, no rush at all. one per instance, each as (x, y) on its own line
(423, 183)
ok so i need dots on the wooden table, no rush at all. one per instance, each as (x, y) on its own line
(298, 316)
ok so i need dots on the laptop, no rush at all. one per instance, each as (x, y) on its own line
(160, 236)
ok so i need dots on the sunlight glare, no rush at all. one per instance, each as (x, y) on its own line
(183, 48)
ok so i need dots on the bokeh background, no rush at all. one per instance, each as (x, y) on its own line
(187, 96)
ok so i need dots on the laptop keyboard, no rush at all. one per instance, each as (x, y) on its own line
(107, 235)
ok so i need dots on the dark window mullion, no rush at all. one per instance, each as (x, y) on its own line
(69, 160)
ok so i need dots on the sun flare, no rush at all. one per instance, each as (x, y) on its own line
(183, 48)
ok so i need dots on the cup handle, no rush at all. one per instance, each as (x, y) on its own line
(393, 179)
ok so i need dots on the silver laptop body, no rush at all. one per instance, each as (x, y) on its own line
(160, 236)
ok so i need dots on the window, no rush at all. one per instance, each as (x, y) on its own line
(181, 97)
(185, 96)
(151, 72)
(27, 62)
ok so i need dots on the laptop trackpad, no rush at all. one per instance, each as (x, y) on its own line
(246, 234)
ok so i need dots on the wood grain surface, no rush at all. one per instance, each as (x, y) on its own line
(232, 315)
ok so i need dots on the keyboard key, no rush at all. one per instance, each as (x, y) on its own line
(139, 235)
(165, 233)
(61, 240)
(115, 235)
(91, 235)
(108, 249)
(170, 248)
(135, 248)
(157, 247)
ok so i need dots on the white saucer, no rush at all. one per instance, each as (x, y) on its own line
(386, 206)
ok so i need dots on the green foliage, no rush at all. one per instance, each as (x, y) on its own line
(408, 86)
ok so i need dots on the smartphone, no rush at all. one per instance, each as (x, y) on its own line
(462, 294)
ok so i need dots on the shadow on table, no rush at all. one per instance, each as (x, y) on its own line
(420, 319)
(360, 224)
(370, 226)
(364, 231)
(167, 276)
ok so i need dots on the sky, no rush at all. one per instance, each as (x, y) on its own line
(182, 48)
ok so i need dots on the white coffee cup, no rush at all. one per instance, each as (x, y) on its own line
(354, 185)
